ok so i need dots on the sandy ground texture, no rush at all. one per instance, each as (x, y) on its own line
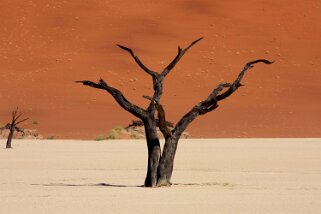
(210, 176)
(46, 45)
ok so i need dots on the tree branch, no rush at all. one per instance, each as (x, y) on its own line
(179, 55)
(15, 118)
(118, 96)
(21, 121)
(211, 102)
(237, 83)
(20, 130)
(137, 60)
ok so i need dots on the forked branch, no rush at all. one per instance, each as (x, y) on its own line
(179, 55)
(158, 79)
(211, 102)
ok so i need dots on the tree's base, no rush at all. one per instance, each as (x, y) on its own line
(149, 186)
(160, 183)
(164, 183)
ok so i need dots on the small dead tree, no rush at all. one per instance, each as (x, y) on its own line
(13, 127)
(160, 165)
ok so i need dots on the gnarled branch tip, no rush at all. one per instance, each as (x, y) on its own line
(124, 48)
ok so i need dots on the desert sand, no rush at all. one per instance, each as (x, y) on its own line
(46, 45)
(210, 176)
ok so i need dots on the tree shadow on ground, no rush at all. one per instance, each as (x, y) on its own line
(224, 184)
(218, 184)
(85, 185)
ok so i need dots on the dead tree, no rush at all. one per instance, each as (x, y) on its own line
(13, 127)
(160, 165)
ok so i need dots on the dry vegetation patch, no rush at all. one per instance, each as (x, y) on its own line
(135, 130)
(26, 134)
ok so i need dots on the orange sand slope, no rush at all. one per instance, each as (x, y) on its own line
(46, 45)
(210, 176)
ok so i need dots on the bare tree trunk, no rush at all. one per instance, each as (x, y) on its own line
(10, 136)
(154, 152)
(166, 163)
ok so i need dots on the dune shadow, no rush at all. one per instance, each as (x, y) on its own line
(85, 185)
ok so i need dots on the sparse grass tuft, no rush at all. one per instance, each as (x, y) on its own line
(51, 137)
(100, 137)
(114, 133)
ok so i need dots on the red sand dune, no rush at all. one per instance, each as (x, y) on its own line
(46, 45)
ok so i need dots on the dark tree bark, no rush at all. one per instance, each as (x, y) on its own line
(147, 116)
(154, 152)
(13, 127)
(160, 166)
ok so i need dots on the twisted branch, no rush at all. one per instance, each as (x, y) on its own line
(162, 123)
(119, 97)
(237, 83)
